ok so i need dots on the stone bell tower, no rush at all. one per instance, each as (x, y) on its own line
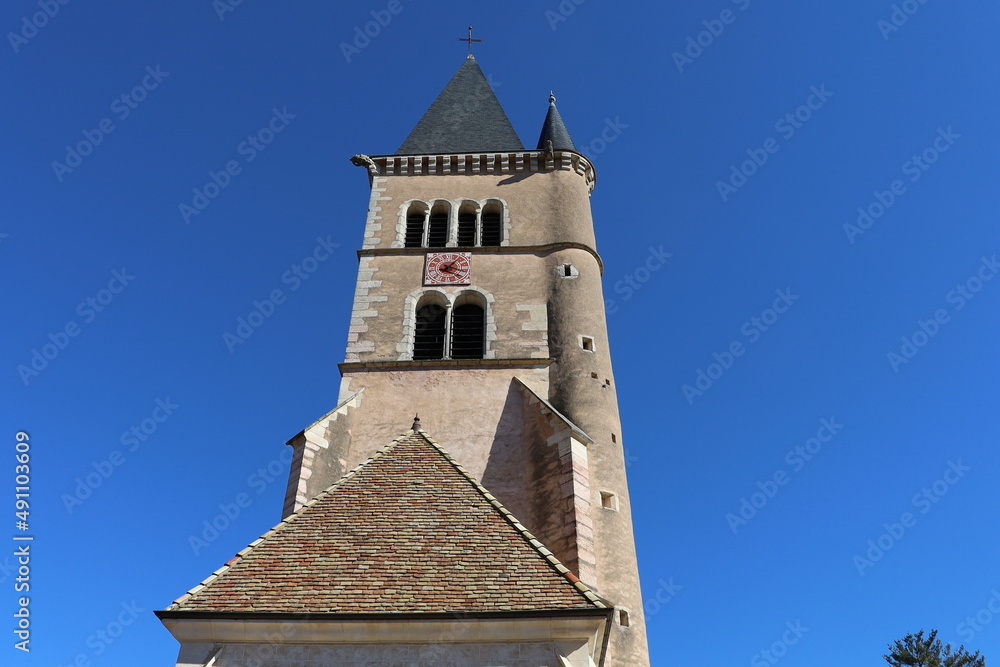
(479, 307)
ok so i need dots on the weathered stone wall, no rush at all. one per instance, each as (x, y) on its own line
(382, 318)
(415, 655)
(459, 407)
(498, 654)
(543, 207)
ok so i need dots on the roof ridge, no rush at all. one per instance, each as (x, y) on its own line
(551, 408)
(509, 516)
(340, 405)
(417, 438)
(228, 565)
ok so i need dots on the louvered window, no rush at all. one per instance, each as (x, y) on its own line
(468, 332)
(467, 227)
(492, 230)
(428, 338)
(437, 231)
(415, 226)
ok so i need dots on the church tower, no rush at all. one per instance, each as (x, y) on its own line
(479, 307)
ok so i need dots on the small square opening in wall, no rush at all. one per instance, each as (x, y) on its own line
(587, 343)
(593, 375)
(623, 619)
(609, 501)
(568, 271)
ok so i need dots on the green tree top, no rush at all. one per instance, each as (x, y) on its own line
(914, 650)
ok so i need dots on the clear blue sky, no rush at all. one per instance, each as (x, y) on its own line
(865, 99)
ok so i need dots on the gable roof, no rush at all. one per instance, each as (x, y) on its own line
(407, 531)
(466, 117)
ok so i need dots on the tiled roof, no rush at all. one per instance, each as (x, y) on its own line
(466, 117)
(409, 530)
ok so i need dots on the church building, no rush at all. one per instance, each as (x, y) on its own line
(495, 528)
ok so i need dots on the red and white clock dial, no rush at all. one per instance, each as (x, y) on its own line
(448, 268)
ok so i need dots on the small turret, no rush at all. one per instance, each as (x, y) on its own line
(554, 130)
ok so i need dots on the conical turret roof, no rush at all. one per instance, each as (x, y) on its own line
(554, 130)
(465, 118)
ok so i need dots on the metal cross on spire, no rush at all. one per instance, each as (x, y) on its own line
(469, 40)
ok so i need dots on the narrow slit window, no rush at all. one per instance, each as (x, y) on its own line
(623, 619)
(614, 438)
(567, 270)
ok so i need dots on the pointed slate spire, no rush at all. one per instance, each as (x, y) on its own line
(466, 117)
(554, 130)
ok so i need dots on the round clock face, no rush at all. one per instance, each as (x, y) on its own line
(448, 268)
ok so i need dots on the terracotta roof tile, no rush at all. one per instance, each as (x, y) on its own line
(409, 530)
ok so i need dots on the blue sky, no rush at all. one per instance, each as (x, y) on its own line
(841, 364)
